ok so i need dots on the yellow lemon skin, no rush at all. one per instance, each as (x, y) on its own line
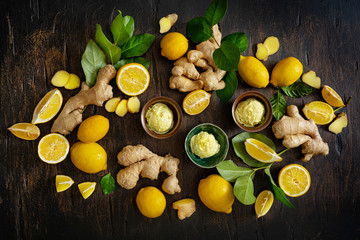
(93, 129)
(88, 157)
(286, 72)
(216, 193)
(151, 202)
(173, 45)
(253, 72)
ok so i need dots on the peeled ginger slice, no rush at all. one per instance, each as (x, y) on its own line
(272, 43)
(74, 82)
(167, 22)
(262, 52)
(133, 105)
(111, 104)
(311, 79)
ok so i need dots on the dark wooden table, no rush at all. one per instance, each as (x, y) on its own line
(40, 37)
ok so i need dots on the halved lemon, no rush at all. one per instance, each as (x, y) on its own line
(331, 97)
(63, 183)
(321, 112)
(53, 148)
(294, 180)
(26, 131)
(263, 203)
(196, 102)
(133, 79)
(48, 107)
(86, 188)
(260, 151)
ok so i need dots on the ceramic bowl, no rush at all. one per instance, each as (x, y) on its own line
(268, 110)
(219, 135)
(174, 107)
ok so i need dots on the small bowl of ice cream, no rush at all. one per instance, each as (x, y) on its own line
(206, 145)
(161, 117)
(252, 111)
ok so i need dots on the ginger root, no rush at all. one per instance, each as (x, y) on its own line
(71, 115)
(167, 22)
(311, 79)
(186, 207)
(186, 78)
(297, 131)
(141, 161)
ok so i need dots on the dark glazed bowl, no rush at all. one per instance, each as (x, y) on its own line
(268, 111)
(174, 107)
(219, 135)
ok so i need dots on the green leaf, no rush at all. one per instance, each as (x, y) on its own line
(244, 189)
(297, 90)
(278, 192)
(137, 45)
(230, 171)
(129, 25)
(278, 104)
(119, 29)
(198, 30)
(112, 51)
(216, 11)
(239, 147)
(227, 56)
(240, 39)
(92, 60)
(108, 184)
(231, 81)
(145, 62)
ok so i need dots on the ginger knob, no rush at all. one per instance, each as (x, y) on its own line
(167, 22)
(186, 207)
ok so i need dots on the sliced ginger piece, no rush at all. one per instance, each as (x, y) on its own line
(133, 105)
(121, 108)
(167, 22)
(262, 52)
(74, 82)
(339, 123)
(311, 79)
(112, 103)
(60, 78)
(186, 207)
(273, 44)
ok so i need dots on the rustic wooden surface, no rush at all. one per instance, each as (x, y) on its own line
(40, 37)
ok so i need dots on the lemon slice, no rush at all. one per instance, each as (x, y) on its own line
(260, 151)
(331, 97)
(86, 188)
(196, 102)
(133, 79)
(263, 203)
(321, 112)
(48, 107)
(294, 180)
(26, 131)
(63, 183)
(53, 148)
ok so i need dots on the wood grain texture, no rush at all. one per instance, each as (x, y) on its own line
(40, 37)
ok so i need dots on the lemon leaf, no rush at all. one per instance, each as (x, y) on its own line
(112, 51)
(230, 171)
(107, 184)
(278, 104)
(240, 151)
(137, 45)
(231, 81)
(227, 56)
(198, 30)
(216, 11)
(122, 28)
(244, 189)
(278, 192)
(297, 90)
(239, 38)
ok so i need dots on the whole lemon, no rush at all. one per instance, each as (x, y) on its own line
(286, 72)
(173, 45)
(253, 72)
(88, 157)
(151, 202)
(93, 129)
(216, 193)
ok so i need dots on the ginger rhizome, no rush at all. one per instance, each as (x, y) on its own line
(186, 78)
(297, 131)
(139, 160)
(71, 115)
(167, 22)
(186, 207)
